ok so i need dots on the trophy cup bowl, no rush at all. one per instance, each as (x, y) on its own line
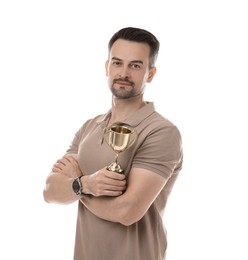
(118, 137)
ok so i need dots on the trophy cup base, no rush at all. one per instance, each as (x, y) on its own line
(114, 167)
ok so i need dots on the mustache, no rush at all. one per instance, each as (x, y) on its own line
(123, 80)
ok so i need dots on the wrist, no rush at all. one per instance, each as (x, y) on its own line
(83, 180)
(77, 186)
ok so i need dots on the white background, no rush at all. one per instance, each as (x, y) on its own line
(52, 79)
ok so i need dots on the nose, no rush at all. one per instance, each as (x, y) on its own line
(124, 72)
(125, 77)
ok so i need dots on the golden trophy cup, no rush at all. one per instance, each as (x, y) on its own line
(118, 137)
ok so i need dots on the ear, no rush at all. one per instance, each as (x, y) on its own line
(152, 72)
(106, 67)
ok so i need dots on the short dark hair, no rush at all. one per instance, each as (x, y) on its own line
(138, 35)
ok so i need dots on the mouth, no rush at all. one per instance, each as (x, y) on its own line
(122, 82)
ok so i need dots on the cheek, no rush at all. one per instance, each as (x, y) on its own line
(144, 78)
(147, 78)
(112, 74)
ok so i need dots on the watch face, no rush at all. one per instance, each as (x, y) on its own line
(75, 186)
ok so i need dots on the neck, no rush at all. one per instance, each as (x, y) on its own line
(123, 108)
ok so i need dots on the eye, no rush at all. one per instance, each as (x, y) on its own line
(116, 63)
(135, 66)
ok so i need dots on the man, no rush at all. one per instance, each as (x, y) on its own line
(120, 216)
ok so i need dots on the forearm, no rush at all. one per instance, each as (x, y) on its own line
(131, 206)
(58, 189)
(108, 208)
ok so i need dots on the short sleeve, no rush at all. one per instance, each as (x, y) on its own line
(161, 151)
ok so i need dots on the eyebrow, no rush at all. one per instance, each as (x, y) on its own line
(133, 61)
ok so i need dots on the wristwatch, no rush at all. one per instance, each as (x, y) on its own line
(77, 186)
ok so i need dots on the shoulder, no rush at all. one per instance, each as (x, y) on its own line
(160, 145)
(157, 124)
(91, 123)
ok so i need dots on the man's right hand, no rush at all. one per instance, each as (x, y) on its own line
(104, 183)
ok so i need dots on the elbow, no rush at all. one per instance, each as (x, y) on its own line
(50, 194)
(130, 216)
(46, 195)
(129, 221)
(53, 194)
(48, 190)
(55, 199)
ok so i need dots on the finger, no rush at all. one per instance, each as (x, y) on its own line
(66, 159)
(59, 164)
(115, 188)
(115, 183)
(61, 161)
(56, 169)
(111, 193)
(115, 175)
(70, 159)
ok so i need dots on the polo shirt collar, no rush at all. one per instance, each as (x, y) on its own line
(135, 119)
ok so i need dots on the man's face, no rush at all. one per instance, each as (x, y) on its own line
(127, 68)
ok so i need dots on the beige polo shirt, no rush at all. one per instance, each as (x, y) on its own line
(158, 148)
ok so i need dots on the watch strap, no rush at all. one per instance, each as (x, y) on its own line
(79, 191)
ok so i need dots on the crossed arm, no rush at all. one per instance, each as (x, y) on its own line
(110, 197)
(143, 188)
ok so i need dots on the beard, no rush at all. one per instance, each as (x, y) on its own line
(123, 91)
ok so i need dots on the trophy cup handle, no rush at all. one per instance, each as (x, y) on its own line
(135, 134)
